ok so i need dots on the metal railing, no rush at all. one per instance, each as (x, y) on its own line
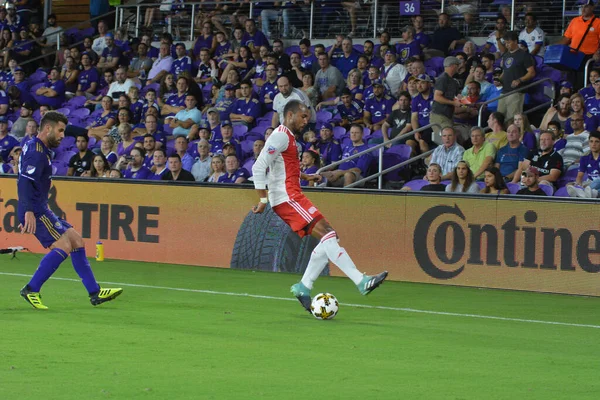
(58, 42)
(370, 17)
(379, 147)
(485, 103)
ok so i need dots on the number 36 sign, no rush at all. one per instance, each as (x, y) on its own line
(411, 7)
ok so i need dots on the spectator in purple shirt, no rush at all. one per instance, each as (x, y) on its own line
(377, 108)
(233, 172)
(110, 55)
(132, 165)
(308, 60)
(53, 92)
(159, 168)
(353, 170)
(88, 78)
(175, 103)
(253, 38)
(183, 63)
(204, 40)
(245, 109)
(409, 47)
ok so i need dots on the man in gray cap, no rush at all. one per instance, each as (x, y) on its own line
(518, 70)
(446, 89)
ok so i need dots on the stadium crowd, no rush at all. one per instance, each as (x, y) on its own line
(202, 113)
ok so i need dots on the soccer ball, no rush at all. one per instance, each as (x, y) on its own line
(324, 306)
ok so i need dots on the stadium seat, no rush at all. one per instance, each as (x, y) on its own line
(416, 184)
(324, 116)
(548, 189)
(37, 77)
(339, 132)
(562, 192)
(64, 110)
(79, 113)
(481, 184)
(92, 142)
(253, 135)
(436, 64)
(292, 49)
(76, 102)
(247, 149)
(239, 131)
(65, 157)
(513, 187)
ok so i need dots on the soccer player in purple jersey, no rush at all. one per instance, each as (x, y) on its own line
(35, 216)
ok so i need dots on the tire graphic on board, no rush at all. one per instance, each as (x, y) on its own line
(265, 243)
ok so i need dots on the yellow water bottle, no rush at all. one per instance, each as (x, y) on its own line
(99, 251)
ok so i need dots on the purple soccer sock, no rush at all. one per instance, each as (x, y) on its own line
(48, 266)
(84, 270)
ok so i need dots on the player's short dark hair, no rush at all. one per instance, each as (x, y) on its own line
(305, 42)
(112, 72)
(293, 107)
(175, 155)
(84, 137)
(52, 118)
(489, 56)
(140, 149)
(147, 135)
(246, 82)
(161, 150)
(532, 15)
(502, 17)
(151, 90)
(369, 41)
(595, 134)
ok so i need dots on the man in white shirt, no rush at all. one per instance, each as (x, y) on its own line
(121, 85)
(285, 95)
(99, 43)
(201, 167)
(393, 73)
(533, 35)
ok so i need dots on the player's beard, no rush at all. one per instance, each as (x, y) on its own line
(53, 141)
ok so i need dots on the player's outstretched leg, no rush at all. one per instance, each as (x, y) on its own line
(47, 267)
(338, 255)
(84, 270)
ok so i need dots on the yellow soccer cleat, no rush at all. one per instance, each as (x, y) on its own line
(33, 298)
(104, 295)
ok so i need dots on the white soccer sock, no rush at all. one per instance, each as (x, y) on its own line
(317, 263)
(339, 257)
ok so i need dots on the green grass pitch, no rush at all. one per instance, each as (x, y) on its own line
(156, 342)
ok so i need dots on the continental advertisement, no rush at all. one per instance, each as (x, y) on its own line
(543, 245)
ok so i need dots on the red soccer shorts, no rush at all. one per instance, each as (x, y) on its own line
(300, 214)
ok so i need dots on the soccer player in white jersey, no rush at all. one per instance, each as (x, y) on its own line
(280, 158)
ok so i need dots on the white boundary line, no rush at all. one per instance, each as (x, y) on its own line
(401, 309)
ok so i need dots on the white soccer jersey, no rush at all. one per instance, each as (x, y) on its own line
(536, 36)
(493, 40)
(280, 157)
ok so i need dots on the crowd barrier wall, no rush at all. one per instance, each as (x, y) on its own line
(544, 245)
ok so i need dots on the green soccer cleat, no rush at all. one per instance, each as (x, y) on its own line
(370, 283)
(302, 293)
(33, 298)
(104, 295)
